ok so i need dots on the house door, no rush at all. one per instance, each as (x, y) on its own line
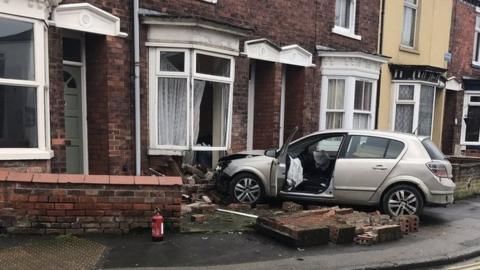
(73, 119)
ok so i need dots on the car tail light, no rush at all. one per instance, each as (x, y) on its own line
(438, 169)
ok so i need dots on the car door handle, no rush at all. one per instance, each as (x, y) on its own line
(380, 168)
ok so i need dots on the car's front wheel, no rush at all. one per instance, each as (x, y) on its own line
(402, 200)
(246, 188)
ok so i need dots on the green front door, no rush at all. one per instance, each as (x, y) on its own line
(73, 119)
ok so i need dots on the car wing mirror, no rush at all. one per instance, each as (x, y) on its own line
(271, 152)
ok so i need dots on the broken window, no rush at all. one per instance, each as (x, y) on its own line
(193, 105)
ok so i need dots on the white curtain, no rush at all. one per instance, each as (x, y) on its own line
(226, 101)
(404, 118)
(172, 111)
(408, 26)
(199, 88)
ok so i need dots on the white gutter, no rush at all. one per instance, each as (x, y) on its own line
(136, 59)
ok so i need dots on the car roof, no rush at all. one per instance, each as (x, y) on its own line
(375, 132)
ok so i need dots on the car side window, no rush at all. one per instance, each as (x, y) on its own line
(373, 147)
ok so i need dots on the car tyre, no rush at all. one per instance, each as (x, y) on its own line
(402, 200)
(246, 188)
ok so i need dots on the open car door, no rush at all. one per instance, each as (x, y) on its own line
(278, 169)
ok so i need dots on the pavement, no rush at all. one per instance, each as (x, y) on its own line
(447, 235)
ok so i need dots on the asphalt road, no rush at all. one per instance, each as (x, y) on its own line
(444, 232)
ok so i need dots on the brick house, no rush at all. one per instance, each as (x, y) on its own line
(461, 124)
(215, 76)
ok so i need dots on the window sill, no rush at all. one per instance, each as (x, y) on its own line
(25, 154)
(476, 64)
(210, 1)
(345, 32)
(409, 50)
(165, 152)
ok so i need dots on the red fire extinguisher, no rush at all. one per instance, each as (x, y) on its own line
(157, 226)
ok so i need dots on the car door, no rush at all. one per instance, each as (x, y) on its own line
(278, 168)
(364, 163)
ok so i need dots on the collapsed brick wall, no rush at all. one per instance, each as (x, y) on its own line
(466, 175)
(77, 204)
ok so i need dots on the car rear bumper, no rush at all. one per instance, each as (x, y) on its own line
(440, 199)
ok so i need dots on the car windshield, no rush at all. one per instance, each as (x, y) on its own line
(433, 150)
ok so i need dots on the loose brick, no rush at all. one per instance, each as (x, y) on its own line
(291, 206)
(199, 218)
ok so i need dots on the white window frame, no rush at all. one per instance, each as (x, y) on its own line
(476, 60)
(416, 8)
(350, 30)
(349, 101)
(417, 86)
(40, 82)
(190, 73)
(466, 103)
(372, 105)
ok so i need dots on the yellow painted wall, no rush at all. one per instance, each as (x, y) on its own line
(432, 42)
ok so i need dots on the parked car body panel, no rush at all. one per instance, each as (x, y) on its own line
(354, 180)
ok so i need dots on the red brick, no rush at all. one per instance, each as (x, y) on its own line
(122, 180)
(64, 206)
(71, 178)
(137, 206)
(3, 175)
(20, 177)
(97, 179)
(146, 180)
(170, 181)
(44, 206)
(45, 178)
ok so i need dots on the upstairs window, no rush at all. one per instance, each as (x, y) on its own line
(476, 50)
(345, 18)
(410, 11)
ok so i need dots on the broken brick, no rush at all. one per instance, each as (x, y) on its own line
(239, 206)
(341, 233)
(387, 233)
(204, 208)
(199, 218)
(291, 206)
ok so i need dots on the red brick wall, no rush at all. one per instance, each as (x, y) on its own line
(461, 46)
(268, 83)
(77, 204)
(295, 88)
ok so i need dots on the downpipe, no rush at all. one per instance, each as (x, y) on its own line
(136, 58)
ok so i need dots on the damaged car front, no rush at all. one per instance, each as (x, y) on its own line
(245, 175)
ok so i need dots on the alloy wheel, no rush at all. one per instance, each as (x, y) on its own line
(247, 190)
(402, 202)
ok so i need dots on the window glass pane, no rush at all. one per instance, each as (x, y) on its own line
(404, 118)
(211, 113)
(475, 99)
(477, 23)
(72, 50)
(16, 48)
(472, 124)
(366, 147)
(334, 120)
(426, 110)
(408, 32)
(172, 111)
(336, 92)
(477, 47)
(363, 95)
(361, 121)
(405, 92)
(331, 144)
(394, 149)
(212, 65)
(413, 2)
(342, 13)
(18, 117)
(172, 61)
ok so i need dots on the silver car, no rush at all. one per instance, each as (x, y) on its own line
(400, 173)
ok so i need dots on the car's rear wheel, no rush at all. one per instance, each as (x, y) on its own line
(246, 188)
(402, 200)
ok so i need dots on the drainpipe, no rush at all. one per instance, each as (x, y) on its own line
(380, 51)
(136, 59)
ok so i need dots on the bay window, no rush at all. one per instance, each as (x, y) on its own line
(414, 105)
(349, 103)
(190, 100)
(23, 132)
(471, 113)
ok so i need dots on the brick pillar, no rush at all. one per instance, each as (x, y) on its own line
(268, 83)
(294, 99)
(57, 100)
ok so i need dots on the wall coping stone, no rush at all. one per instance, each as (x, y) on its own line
(90, 179)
